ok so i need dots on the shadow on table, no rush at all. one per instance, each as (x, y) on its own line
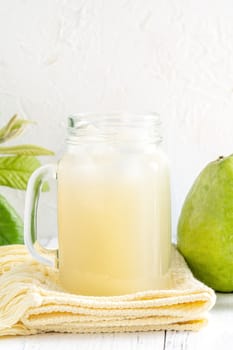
(224, 302)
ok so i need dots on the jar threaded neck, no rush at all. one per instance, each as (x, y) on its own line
(114, 127)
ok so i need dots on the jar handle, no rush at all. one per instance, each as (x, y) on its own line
(34, 187)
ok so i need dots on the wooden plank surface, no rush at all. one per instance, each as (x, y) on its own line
(128, 341)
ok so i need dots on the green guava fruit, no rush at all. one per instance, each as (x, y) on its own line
(205, 227)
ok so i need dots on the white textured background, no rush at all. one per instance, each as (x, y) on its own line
(174, 57)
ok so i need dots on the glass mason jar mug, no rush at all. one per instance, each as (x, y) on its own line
(113, 206)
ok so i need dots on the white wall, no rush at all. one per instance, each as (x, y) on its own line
(170, 56)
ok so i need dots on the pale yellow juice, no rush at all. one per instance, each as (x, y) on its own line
(114, 222)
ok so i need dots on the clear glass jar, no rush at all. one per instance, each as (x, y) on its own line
(113, 205)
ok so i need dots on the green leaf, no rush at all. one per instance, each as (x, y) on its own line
(13, 128)
(11, 224)
(15, 171)
(29, 150)
(4, 132)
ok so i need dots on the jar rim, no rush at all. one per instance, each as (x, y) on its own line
(79, 119)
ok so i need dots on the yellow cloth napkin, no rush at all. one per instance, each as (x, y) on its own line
(32, 301)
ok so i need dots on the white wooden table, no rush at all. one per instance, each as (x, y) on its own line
(218, 335)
